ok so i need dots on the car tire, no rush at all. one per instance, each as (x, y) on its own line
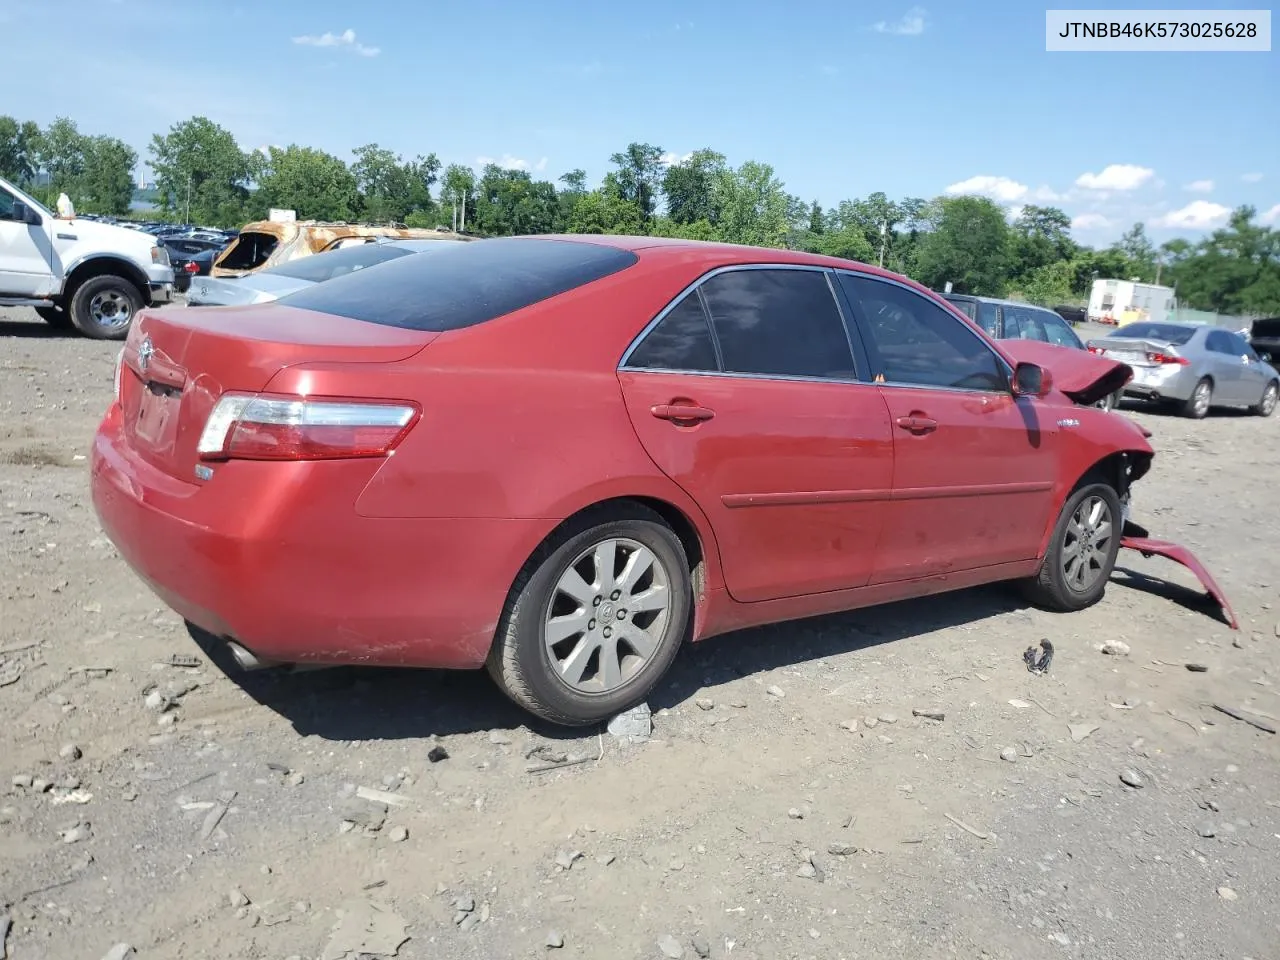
(103, 308)
(1080, 557)
(1110, 401)
(591, 671)
(1266, 405)
(55, 317)
(1197, 405)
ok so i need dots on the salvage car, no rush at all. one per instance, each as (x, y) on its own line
(1012, 320)
(269, 243)
(263, 286)
(562, 457)
(1192, 367)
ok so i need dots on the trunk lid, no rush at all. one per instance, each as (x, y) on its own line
(177, 362)
(1132, 350)
(1082, 376)
(241, 291)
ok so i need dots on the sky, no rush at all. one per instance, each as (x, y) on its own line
(842, 98)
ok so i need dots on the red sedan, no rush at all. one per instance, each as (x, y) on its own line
(561, 457)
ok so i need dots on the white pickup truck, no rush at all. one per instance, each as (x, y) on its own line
(75, 272)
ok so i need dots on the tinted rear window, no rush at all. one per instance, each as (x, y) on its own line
(325, 266)
(464, 285)
(1166, 332)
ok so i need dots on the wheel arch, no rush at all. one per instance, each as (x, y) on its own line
(1119, 469)
(106, 266)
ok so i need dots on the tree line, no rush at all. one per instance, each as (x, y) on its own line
(202, 175)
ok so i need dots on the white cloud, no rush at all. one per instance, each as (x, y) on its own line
(346, 39)
(1090, 221)
(669, 158)
(998, 188)
(1252, 178)
(1116, 176)
(911, 25)
(1199, 186)
(508, 162)
(1046, 194)
(1272, 215)
(1196, 215)
(540, 165)
(1015, 211)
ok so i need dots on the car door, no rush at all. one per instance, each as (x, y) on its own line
(1254, 377)
(1225, 366)
(745, 392)
(974, 467)
(24, 253)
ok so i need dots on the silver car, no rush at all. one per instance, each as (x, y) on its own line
(263, 286)
(1193, 365)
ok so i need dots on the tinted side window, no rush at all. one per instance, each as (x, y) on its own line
(1218, 342)
(920, 343)
(6, 205)
(987, 318)
(779, 323)
(1238, 346)
(680, 341)
(1029, 325)
(1059, 332)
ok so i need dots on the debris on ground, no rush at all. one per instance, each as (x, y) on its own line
(1115, 648)
(1079, 731)
(1131, 778)
(121, 951)
(634, 725)
(555, 940)
(1038, 665)
(671, 947)
(929, 714)
(437, 753)
(1243, 717)
(1197, 667)
(365, 927)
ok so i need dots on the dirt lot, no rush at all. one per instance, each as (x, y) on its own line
(788, 805)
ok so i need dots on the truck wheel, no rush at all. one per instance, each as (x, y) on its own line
(104, 307)
(55, 317)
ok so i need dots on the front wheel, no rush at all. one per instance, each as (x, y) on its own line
(1267, 405)
(104, 307)
(1082, 551)
(595, 618)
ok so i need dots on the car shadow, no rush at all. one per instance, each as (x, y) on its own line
(381, 703)
(1197, 601)
(34, 330)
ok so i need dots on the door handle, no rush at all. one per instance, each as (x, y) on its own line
(918, 424)
(682, 412)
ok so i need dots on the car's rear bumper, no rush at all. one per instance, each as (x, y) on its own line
(162, 292)
(274, 556)
(1167, 382)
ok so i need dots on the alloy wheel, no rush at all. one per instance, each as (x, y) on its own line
(1086, 545)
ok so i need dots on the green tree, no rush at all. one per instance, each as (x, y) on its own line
(1040, 236)
(317, 185)
(202, 175)
(60, 155)
(968, 246)
(458, 192)
(752, 206)
(689, 187)
(639, 177)
(605, 210)
(1139, 252)
(510, 202)
(19, 146)
(1234, 270)
(387, 189)
(105, 184)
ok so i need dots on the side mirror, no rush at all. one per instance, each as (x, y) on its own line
(24, 214)
(1031, 380)
(1264, 357)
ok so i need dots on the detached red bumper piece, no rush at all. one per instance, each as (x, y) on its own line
(1180, 554)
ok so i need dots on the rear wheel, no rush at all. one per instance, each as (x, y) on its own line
(1267, 405)
(595, 618)
(55, 317)
(1197, 405)
(1082, 551)
(104, 307)
(1110, 401)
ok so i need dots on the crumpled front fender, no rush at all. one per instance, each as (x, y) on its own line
(1136, 538)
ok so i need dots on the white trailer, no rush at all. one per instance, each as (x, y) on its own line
(1123, 301)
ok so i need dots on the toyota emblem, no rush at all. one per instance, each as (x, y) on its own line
(145, 350)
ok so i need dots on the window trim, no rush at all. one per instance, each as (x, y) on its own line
(857, 350)
(1001, 363)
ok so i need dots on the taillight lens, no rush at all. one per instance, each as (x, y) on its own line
(1093, 349)
(191, 267)
(255, 427)
(118, 375)
(1166, 358)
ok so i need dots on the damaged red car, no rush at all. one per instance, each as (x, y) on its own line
(563, 457)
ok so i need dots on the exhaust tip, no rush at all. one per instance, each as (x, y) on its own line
(247, 660)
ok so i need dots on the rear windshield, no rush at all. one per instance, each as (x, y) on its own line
(464, 285)
(325, 266)
(250, 250)
(1165, 332)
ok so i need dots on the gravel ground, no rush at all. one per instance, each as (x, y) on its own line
(789, 804)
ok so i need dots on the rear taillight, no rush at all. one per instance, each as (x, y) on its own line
(1166, 358)
(255, 427)
(191, 267)
(1093, 349)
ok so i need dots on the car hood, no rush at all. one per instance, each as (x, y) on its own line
(105, 237)
(1084, 377)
